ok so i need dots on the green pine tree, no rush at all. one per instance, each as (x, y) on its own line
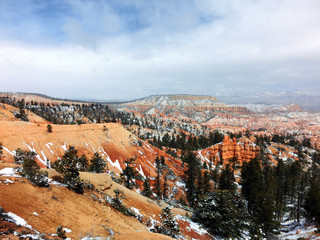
(129, 174)
(146, 188)
(169, 226)
(98, 165)
(223, 213)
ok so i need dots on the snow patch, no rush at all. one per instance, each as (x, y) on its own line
(48, 146)
(18, 220)
(9, 172)
(141, 171)
(136, 211)
(194, 226)
(180, 184)
(13, 153)
(64, 147)
(116, 164)
(67, 230)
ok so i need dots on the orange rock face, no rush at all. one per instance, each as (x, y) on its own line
(244, 151)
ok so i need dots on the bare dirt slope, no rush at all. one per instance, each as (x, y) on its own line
(7, 114)
(114, 143)
(85, 215)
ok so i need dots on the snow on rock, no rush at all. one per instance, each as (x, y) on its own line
(48, 146)
(137, 212)
(192, 225)
(113, 164)
(13, 153)
(299, 233)
(67, 230)
(17, 220)
(92, 148)
(46, 159)
(141, 171)
(8, 181)
(32, 149)
(9, 172)
(27, 236)
(180, 184)
(64, 147)
(149, 147)
(92, 238)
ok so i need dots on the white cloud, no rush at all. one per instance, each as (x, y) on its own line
(161, 46)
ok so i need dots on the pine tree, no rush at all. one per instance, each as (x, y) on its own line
(252, 183)
(31, 171)
(206, 182)
(21, 155)
(280, 189)
(1, 152)
(129, 174)
(146, 188)
(227, 180)
(169, 226)
(49, 128)
(160, 164)
(165, 187)
(312, 203)
(223, 213)
(98, 165)
(70, 165)
(191, 174)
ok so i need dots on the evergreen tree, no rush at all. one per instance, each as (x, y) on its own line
(129, 174)
(70, 165)
(1, 152)
(160, 164)
(165, 187)
(312, 203)
(280, 189)
(252, 183)
(21, 155)
(31, 171)
(98, 165)
(191, 174)
(49, 128)
(266, 210)
(168, 225)
(223, 213)
(227, 180)
(146, 188)
(206, 182)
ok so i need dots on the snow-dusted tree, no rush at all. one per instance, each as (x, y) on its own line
(31, 171)
(168, 225)
(1, 149)
(129, 174)
(61, 232)
(224, 213)
(97, 164)
(21, 155)
(69, 166)
(146, 188)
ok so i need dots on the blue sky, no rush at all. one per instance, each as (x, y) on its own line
(128, 49)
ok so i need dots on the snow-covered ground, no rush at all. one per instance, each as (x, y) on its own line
(291, 230)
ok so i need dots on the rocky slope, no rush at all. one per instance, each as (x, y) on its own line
(195, 107)
(38, 211)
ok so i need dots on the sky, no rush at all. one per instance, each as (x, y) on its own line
(118, 50)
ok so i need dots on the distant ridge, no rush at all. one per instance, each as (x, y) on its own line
(15, 94)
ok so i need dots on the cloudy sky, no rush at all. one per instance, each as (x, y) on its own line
(133, 48)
